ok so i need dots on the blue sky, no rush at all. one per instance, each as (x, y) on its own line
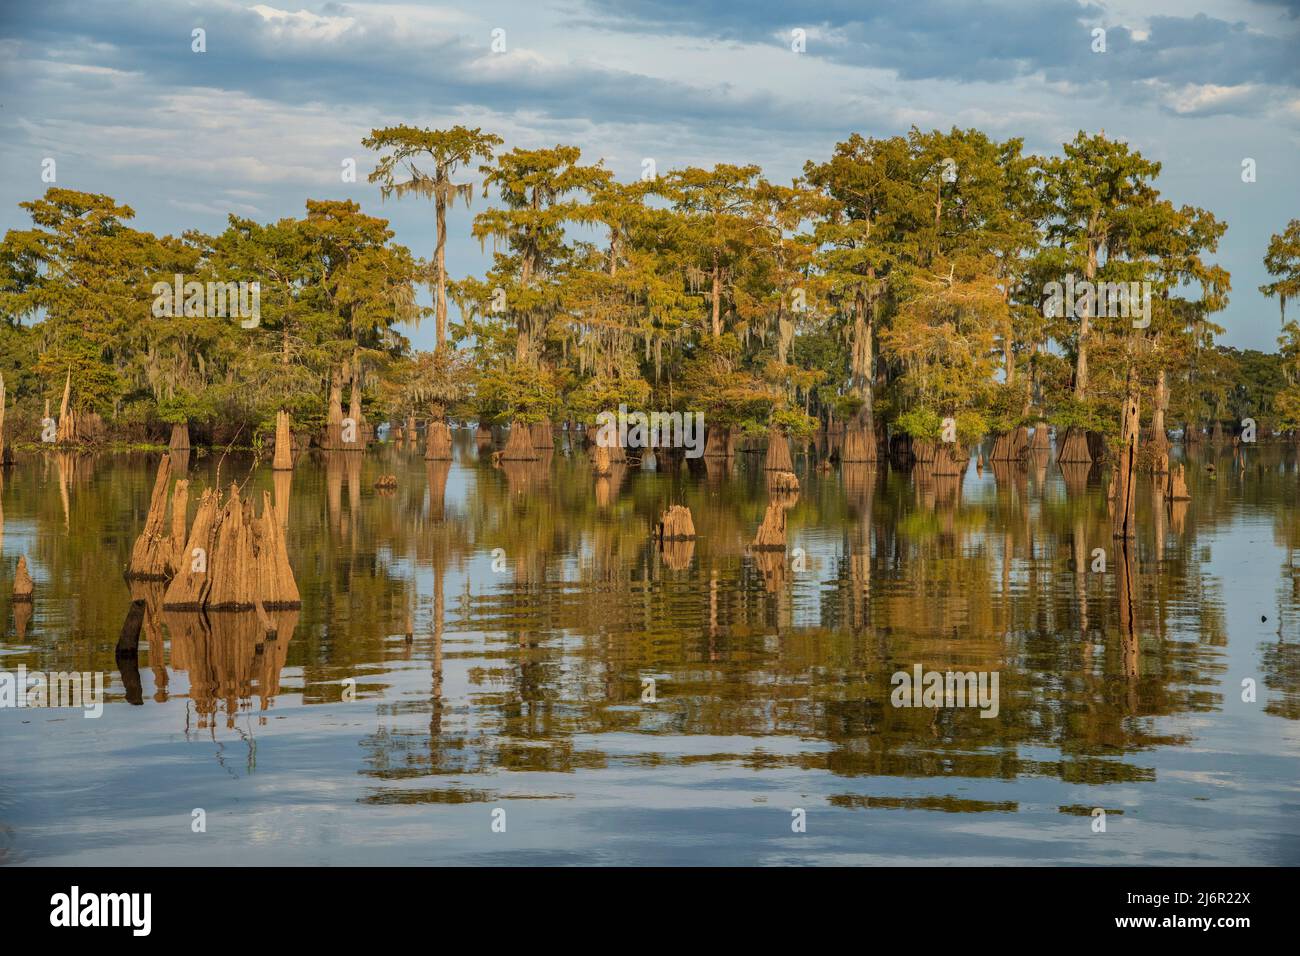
(284, 93)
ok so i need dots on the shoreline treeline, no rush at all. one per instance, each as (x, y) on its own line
(898, 282)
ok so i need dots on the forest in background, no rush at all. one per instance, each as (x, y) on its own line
(897, 282)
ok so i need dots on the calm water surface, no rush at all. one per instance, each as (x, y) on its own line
(539, 606)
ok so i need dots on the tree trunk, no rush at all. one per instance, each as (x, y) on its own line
(1124, 524)
(440, 263)
(717, 301)
(1081, 360)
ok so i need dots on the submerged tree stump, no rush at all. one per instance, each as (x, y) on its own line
(771, 533)
(676, 524)
(283, 443)
(519, 446)
(151, 555)
(23, 584)
(180, 522)
(437, 445)
(386, 482)
(232, 565)
(778, 451)
(277, 589)
(190, 585)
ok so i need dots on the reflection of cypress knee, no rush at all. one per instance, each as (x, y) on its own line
(438, 442)
(283, 443)
(189, 588)
(23, 586)
(1178, 484)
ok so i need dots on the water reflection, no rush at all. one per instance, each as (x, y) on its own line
(504, 622)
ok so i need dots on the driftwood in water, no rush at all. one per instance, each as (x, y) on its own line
(771, 533)
(386, 481)
(189, 587)
(23, 585)
(128, 641)
(676, 524)
(519, 446)
(1178, 484)
(152, 552)
(437, 446)
(600, 461)
(283, 460)
(277, 590)
(778, 451)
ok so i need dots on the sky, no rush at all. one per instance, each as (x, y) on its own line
(268, 115)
